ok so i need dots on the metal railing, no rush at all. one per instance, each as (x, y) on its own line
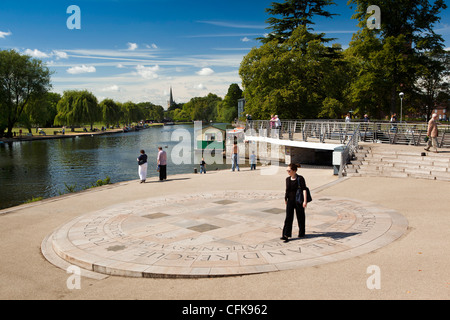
(349, 151)
(342, 132)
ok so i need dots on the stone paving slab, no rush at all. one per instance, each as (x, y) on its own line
(226, 233)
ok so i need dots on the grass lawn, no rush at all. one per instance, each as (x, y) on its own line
(78, 131)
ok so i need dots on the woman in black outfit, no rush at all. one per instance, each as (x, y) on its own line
(293, 183)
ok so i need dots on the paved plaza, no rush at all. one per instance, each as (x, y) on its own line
(220, 234)
(216, 236)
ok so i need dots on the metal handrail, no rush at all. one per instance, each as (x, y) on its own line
(350, 151)
(332, 131)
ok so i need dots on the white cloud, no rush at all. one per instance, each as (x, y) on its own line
(152, 46)
(147, 72)
(120, 66)
(113, 88)
(36, 53)
(132, 46)
(205, 72)
(245, 39)
(237, 25)
(443, 29)
(41, 55)
(200, 86)
(60, 54)
(3, 35)
(81, 69)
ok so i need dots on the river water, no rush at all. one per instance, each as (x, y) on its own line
(44, 168)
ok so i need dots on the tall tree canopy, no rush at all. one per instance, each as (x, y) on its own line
(294, 71)
(111, 112)
(291, 14)
(293, 78)
(21, 80)
(77, 108)
(391, 60)
(227, 110)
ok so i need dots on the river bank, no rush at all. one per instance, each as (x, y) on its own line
(47, 167)
(66, 135)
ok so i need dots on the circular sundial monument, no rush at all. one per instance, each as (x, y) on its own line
(218, 234)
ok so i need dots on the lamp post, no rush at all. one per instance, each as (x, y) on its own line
(402, 95)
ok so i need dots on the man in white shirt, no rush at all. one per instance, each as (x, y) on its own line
(162, 164)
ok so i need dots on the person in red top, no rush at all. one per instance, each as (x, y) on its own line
(162, 164)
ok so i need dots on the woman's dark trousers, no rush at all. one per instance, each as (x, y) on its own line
(301, 219)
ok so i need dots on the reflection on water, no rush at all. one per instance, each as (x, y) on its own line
(42, 168)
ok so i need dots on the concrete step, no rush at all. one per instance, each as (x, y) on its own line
(406, 165)
(352, 170)
(416, 152)
(403, 173)
(439, 157)
(400, 163)
(413, 161)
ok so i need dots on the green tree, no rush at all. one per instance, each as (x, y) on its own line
(76, 108)
(392, 58)
(131, 113)
(180, 115)
(291, 14)
(434, 82)
(21, 79)
(331, 109)
(111, 112)
(40, 111)
(51, 103)
(227, 110)
(292, 78)
(202, 108)
(152, 111)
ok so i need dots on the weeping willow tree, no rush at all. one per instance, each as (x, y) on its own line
(76, 108)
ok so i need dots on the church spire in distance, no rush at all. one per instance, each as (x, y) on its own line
(170, 102)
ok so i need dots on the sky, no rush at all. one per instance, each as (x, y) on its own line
(136, 50)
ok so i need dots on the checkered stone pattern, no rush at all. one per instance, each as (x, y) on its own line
(221, 234)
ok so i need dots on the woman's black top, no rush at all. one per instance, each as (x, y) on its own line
(143, 159)
(292, 186)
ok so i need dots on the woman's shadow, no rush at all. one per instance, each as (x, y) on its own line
(332, 235)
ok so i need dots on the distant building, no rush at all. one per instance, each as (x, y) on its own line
(442, 111)
(211, 137)
(171, 102)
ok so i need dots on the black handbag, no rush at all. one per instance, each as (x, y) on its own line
(299, 194)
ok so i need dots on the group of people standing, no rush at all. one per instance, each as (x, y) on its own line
(294, 183)
(275, 122)
(161, 162)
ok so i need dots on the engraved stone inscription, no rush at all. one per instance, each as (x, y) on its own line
(222, 234)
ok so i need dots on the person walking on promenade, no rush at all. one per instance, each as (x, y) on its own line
(143, 165)
(293, 183)
(203, 166)
(162, 164)
(348, 118)
(433, 134)
(235, 158)
(253, 161)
